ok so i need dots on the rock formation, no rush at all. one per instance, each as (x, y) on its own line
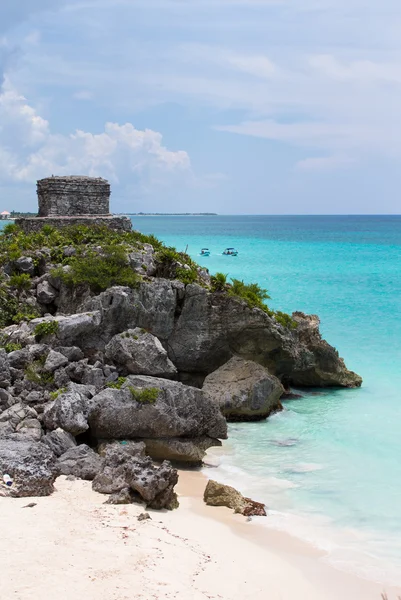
(244, 390)
(97, 379)
(218, 494)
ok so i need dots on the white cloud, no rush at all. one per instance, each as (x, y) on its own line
(324, 163)
(29, 150)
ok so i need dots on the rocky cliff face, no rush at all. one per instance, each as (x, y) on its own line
(116, 366)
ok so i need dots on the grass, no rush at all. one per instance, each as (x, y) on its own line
(46, 328)
(100, 271)
(35, 374)
(116, 385)
(145, 396)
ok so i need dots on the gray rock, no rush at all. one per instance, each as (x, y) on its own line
(244, 390)
(125, 496)
(137, 449)
(180, 450)
(59, 441)
(17, 413)
(94, 377)
(5, 376)
(151, 306)
(154, 485)
(142, 261)
(73, 330)
(213, 327)
(25, 264)
(85, 390)
(19, 359)
(46, 293)
(54, 361)
(30, 464)
(144, 516)
(6, 399)
(69, 411)
(72, 353)
(137, 352)
(61, 379)
(179, 411)
(30, 428)
(80, 461)
(34, 397)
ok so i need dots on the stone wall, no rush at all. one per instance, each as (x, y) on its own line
(72, 196)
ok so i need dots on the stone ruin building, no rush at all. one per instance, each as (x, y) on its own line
(74, 200)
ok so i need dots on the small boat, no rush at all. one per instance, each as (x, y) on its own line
(230, 252)
(205, 252)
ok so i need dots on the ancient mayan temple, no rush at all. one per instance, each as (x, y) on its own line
(74, 200)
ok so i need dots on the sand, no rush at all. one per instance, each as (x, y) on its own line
(70, 546)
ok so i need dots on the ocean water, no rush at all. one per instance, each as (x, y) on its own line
(329, 465)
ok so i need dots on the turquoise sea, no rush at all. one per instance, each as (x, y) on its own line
(328, 466)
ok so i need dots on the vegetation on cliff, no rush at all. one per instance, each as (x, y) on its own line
(99, 258)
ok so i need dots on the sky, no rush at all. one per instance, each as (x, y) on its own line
(227, 106)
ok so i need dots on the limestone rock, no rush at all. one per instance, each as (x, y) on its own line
(69, 411)
(178, 411)
(59, 441)
(25, 264)
(142, 261)
(151, 306)
(125, 496)
(180, 450)
(30, 464)
(212, 327)
(218, 494)
(19, 359)
(46, 293)
(54, 361)
(137, 352)
(244, 390)
(30, 428)
(80, 461)
(153, 485)
(130, 447)
(5, 376)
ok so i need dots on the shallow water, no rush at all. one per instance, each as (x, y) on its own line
(329, 466)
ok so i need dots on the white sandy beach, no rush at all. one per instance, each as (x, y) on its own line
(71, 545)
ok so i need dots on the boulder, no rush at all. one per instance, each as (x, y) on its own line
(150, 484)
(151, 306)
(31, 465)
(59, 441)
(138, 352)
(46, 293)
(54, 361)
(69, 411)
(180, 450)
(72, 353)
(80, 461)
(218, 494)
(213, 327)
(5, 376)
(133, 448)
(244, 390)
(25, 264)
(30, 428)
(19, 359)
(177, 411)
(72, 330)
(16, 414)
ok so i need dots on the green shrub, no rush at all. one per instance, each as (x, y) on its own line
(11, 346)
(117, 385)
(145, 396)
(186, 276)
(21, 282)
(252, 293)
(100, 271)
(46, 328)
(57, 393)
(218, 282)
(35, 374)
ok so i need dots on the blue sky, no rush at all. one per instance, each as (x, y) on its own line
(231, 106)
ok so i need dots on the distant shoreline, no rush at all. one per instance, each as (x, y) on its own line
(207, 214)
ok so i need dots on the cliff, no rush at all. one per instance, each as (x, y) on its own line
(115, 347)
